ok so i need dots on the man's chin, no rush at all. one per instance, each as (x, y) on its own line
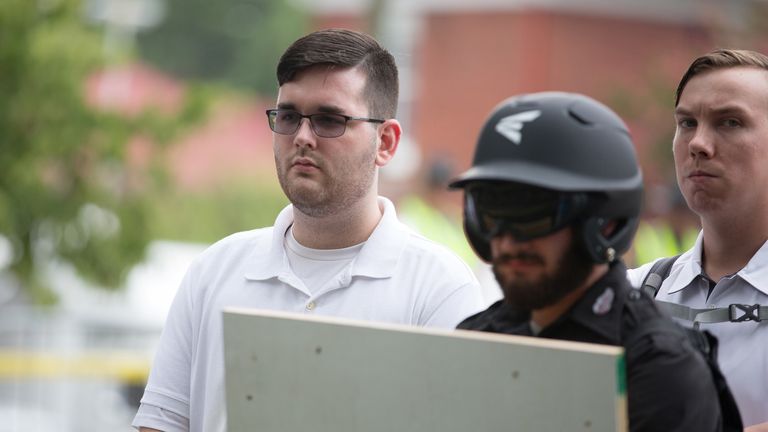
(524, 299)
(305, 191)
(509, 276)
(313, 204)
(533, 294)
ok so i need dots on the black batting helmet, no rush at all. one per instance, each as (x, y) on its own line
(573, 154)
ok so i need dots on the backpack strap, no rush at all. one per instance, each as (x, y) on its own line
(733, 313)
(656, 275)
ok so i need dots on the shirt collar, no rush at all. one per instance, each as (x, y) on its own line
(688, 267)
(756, 270)
(377, 258)
(267, 263)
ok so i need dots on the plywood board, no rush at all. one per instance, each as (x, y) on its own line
(290, 372)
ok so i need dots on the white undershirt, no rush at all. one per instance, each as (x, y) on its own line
(318, 267)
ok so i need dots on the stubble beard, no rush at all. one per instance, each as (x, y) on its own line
(335, 192)
(573, 269)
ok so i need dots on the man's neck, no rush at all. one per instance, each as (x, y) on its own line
(547, 315)
(730, 244)
(345, 228)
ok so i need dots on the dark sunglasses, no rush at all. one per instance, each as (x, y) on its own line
(325, 125)
(526, 212)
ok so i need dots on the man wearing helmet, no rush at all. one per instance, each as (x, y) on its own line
(552, 201)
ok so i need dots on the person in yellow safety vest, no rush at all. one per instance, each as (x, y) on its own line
(435, 212)
(436, 225)
(657, 239)
(429, 209)
(668, 235)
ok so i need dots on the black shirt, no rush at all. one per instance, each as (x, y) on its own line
(669, 383)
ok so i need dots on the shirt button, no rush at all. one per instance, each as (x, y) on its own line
(310, 306)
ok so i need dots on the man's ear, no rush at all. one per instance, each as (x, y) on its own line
(389, 138)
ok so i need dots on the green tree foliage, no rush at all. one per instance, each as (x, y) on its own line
(65, 189)
(205, 217)
(232, 41)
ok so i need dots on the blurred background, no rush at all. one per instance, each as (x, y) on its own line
(133, 135)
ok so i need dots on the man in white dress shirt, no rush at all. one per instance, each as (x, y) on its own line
(721, 159)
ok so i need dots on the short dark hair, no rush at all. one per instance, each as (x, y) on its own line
(721, 59)
(347, 48)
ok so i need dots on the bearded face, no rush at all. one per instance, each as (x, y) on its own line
(536, 276)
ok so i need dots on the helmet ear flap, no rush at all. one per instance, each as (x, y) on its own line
(604, 249)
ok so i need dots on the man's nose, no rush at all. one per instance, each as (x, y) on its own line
(304, 135)
(702, 144)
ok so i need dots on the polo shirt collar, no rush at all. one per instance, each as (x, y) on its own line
(377, 259)
(379, 256)
(271, 262)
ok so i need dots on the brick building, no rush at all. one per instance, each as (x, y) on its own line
(458, 59)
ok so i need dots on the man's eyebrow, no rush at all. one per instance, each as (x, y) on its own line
(722, 110)
(729, 109)
(332, 109)
(286, 105)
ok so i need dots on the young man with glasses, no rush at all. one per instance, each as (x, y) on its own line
(552, 202)
(338, 249)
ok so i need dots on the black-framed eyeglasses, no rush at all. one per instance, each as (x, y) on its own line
(526, 212)
(325, 125)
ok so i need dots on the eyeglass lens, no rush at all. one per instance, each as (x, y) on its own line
(323, 124)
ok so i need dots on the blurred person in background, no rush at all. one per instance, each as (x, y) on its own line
(671, 231)
(432, 210)
(552, 201)
(429, 208)
(338, 249)
(721, 158)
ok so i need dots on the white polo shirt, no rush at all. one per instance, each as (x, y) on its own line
(743, 346)
(397, 277)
